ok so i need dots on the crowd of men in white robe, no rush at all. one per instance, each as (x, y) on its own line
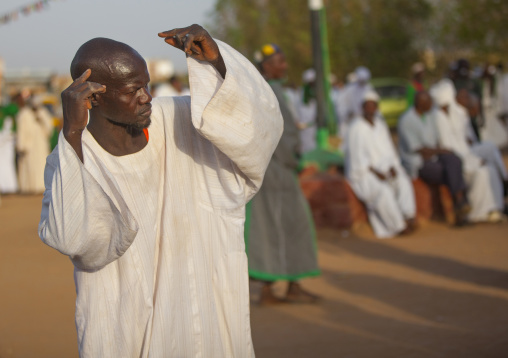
(24, 146)
(374, 168)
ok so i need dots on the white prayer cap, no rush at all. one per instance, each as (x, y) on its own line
(417, 67)
(362, 74)
(443, 93)
(309, 75)
(371, 95)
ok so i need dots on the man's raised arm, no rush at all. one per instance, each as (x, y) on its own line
(76, 101)
(232, 105)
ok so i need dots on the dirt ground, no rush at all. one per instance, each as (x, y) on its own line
(441, 292)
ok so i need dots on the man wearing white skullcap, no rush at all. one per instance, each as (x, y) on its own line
(484, 184)
(376, 175)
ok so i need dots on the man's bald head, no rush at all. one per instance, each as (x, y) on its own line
(108, 59)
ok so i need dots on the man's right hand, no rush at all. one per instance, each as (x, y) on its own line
(76, 101)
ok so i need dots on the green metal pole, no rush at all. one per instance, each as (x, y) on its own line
(325, 112)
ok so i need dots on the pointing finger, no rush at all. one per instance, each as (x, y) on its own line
(84, 76)
(168, 33)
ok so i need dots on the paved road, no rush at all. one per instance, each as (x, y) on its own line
(439, 293)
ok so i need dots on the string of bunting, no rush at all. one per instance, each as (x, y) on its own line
(24, 10)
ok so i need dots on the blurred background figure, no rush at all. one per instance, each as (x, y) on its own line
(34, 129)
(173, 87)
(423, 158)
(416, 84)
(307, 112)
(376, 175)
(485, 191)
(8, 177)
(354, 93)
(469, 107)
(493, 87)
(279, 233)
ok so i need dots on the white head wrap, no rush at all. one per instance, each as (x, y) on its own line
(443, 93)
(362, 74)
(309, 75)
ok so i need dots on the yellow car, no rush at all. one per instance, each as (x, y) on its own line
(393, 101)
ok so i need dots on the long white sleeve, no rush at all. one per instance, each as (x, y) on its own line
(78, 218)
(242, 118)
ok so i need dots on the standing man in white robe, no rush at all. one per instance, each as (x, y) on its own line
(32, 144)
(376, 175)
(153, 217)
(484, 185)
(307, 112)
(8, 177)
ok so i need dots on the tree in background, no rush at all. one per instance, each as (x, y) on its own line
(379, 34)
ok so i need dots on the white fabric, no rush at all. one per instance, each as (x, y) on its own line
(485, 150)
(494, 130)
(306, 116)
(371, 95)
(484, 184)
(8, 180)
(156, 237)
(33, 133)
(388, 202)
(352, 101)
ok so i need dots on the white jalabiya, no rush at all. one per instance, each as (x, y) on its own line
(494, 129)
(485, 150)
(8, 180)
(484, 184)
(307, 116)
(33, 133)
(156, 237)
(388, 202)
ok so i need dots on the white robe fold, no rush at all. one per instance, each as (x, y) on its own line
(156, 237)
(389, 203)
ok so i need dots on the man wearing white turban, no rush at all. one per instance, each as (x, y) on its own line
(484, 185)
(376, 175)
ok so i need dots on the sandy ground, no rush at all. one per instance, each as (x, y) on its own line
(441, 292)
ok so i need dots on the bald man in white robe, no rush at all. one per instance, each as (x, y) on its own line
(156, 235)
(484, 184)
(375, 173)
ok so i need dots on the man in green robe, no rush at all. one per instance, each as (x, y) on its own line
(279, 233)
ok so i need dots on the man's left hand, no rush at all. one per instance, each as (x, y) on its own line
(197, 43)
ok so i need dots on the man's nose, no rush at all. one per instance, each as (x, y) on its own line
(146, 97)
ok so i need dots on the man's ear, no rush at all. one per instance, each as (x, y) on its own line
(95, 99)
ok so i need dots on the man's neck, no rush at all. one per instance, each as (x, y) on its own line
(117, 139)
(370, 120)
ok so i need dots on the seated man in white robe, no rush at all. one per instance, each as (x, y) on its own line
(484, 185)
(422, 157)
(376, 175)
(469, 106)
(148, 199)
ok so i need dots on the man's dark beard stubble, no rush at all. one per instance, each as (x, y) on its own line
(132, 128)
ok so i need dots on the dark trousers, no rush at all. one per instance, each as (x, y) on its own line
(447, 170)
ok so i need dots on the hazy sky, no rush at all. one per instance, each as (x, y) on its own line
(50, 38)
